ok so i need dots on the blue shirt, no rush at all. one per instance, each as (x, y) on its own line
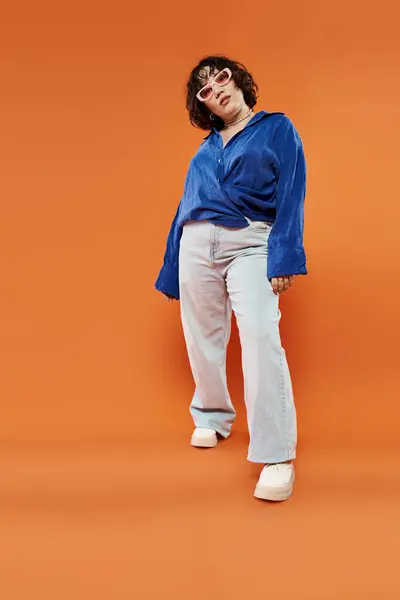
(259, 174)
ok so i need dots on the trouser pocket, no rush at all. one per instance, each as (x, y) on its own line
(259, 226)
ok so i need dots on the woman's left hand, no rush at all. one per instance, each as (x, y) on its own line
(281, 284)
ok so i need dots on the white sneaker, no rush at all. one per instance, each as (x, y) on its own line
(276, 482)
(204, 438)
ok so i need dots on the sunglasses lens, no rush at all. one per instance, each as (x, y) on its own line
(222, 78)
(206, 92)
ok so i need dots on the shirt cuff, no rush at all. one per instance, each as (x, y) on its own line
(286, 261)
(168, 281)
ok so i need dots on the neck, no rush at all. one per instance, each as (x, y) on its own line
(242, 112)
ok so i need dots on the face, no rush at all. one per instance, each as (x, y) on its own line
(226, 100)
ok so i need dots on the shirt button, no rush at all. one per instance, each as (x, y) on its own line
(219, 160)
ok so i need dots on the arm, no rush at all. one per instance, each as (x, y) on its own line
(168, 279)
(286, 254)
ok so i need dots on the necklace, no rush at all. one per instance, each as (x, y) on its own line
(242, 119)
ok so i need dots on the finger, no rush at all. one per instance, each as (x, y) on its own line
(287, 282)
(274, 283)
(281, 284)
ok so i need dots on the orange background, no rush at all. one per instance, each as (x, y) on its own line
(101, 494)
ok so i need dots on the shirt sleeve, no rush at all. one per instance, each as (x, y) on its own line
(286, 255)
(168, 279)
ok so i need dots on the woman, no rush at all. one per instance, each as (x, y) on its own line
(236, 242)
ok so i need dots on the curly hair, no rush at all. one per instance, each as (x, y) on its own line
(199, 115)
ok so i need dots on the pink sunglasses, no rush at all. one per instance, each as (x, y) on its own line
(221, 78)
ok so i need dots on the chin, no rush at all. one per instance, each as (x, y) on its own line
(230, 110)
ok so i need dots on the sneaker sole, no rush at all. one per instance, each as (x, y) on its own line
(274, 494)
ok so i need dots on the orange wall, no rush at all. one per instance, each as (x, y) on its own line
(94, 148)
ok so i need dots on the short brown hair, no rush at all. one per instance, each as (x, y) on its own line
(199, 114)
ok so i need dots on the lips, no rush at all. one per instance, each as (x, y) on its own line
(224, 100)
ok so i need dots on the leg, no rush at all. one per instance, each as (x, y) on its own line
(206, 320)
(269, 400)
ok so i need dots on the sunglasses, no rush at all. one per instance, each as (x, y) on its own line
(221, 78)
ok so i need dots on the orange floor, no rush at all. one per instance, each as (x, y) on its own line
(160, 519)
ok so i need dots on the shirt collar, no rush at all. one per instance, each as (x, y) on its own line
(255, 118)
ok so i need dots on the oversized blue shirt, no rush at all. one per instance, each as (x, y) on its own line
(259, 174)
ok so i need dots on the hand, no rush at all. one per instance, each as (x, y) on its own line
(281, 284)
(168, 297)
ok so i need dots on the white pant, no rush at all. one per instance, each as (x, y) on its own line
(219, 269)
